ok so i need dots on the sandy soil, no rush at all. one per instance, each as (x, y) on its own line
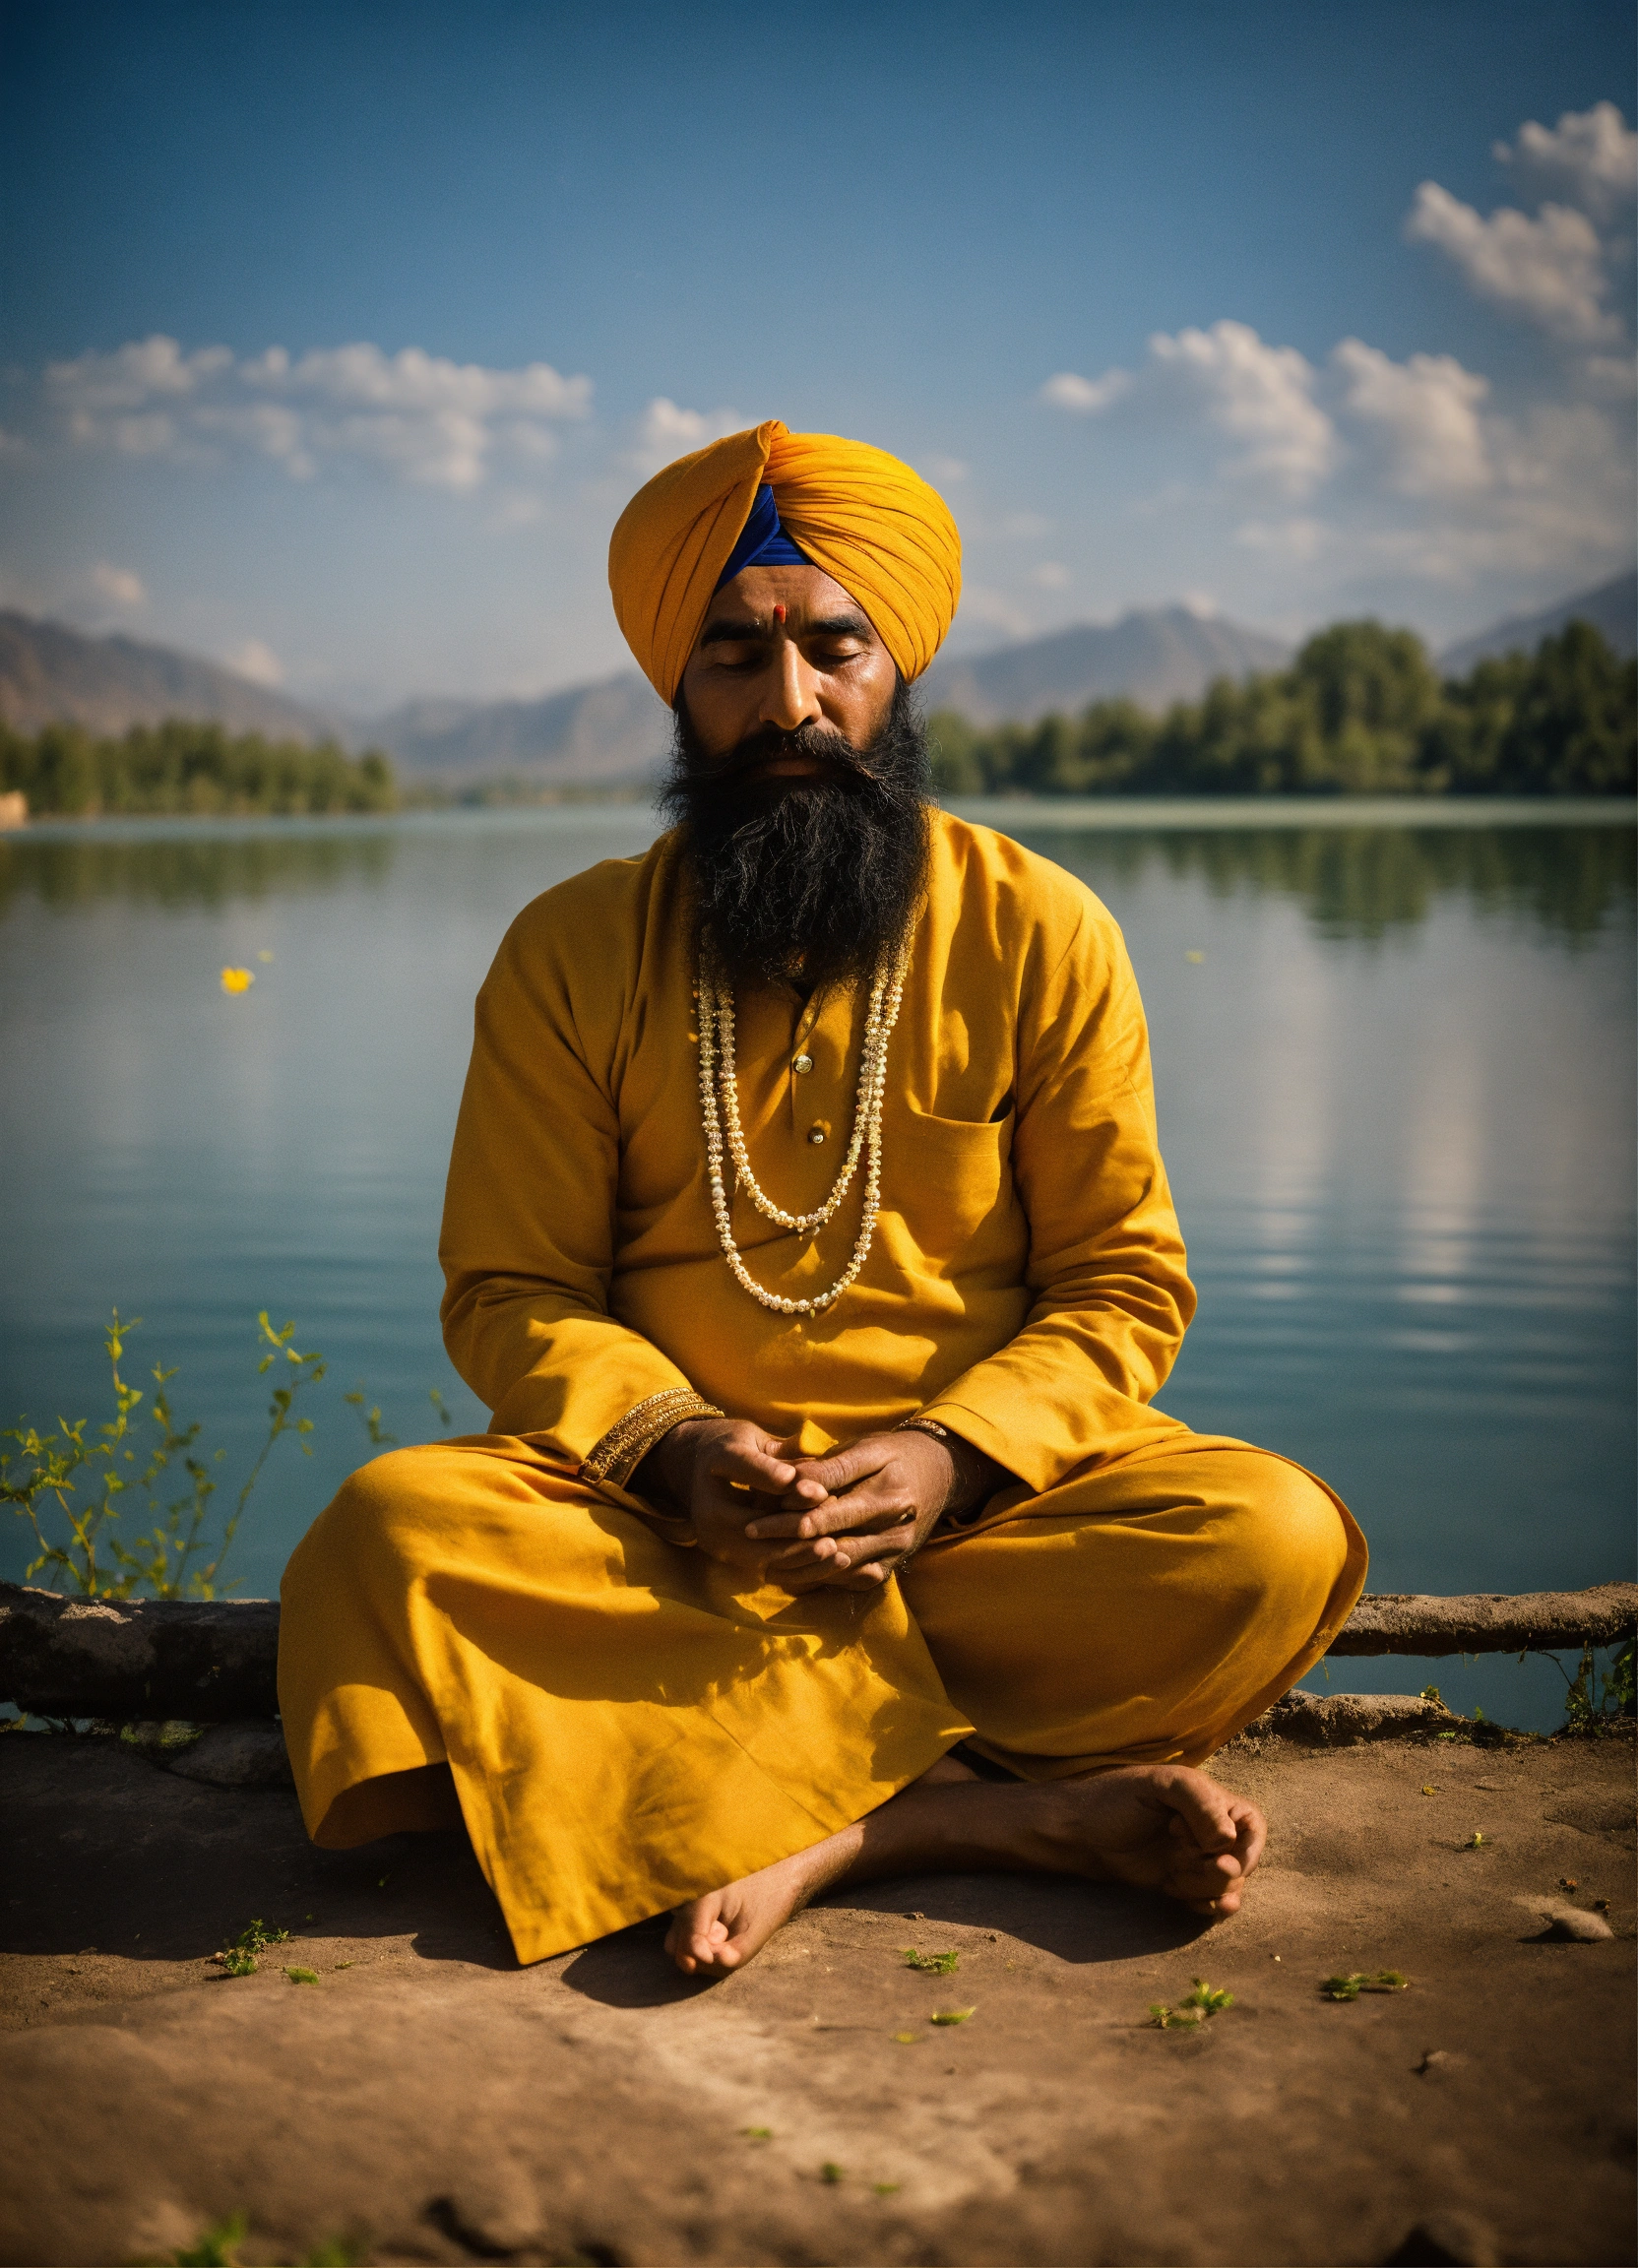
(426, 2100)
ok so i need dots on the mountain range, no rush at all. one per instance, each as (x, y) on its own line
(614, 732)
(1611, 608)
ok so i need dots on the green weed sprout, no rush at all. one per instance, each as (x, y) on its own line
(951, 2015)
(84, 1478)
(1204, 2000)
(218, 2245)
(238, 1957)
(933, 1964)
(302, 1976)
(831, 2173)
(1359, 1980)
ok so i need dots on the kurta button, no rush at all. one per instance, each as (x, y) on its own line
(803, 1064)
(816, 1135)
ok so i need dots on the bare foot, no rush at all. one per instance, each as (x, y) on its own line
(1158, 1826)
(717, 1933)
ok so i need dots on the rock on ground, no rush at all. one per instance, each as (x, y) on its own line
(427, 2100)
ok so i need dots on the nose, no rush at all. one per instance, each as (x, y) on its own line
(791, 698)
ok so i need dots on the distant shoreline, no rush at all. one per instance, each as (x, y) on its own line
(1009, 814)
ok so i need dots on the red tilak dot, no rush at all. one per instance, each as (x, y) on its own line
(778, 614)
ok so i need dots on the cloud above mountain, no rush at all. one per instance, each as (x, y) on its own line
(415, 416)
(1421, 466)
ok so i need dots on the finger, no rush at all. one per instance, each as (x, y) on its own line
(752, 1466)
(851, 1553)
(863, 1510)
(848, 1466)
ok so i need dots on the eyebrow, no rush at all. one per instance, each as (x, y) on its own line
(745, 633)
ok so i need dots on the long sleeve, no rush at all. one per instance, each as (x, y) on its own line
(1109, 1294)
(530, 1212)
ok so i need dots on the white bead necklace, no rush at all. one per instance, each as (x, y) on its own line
(717, 1073)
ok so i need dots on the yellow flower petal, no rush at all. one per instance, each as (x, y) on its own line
(237, 980)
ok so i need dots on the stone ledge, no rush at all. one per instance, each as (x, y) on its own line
(1342, 1720)
(216, 1661)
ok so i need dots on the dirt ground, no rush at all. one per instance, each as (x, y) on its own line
(428, 2100)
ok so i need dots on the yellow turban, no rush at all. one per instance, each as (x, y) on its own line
(869, 520)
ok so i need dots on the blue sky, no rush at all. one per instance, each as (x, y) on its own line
(333, 338)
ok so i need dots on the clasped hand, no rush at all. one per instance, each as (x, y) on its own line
(847, 1521)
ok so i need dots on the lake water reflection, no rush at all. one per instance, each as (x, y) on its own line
(1395, 1087)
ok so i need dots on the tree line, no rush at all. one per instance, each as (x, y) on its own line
(182, 768)
(1362, 711)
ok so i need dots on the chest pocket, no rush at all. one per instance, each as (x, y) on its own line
(950, 1181)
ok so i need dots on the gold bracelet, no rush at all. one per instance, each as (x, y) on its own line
(616, 1457)
(954, 1443)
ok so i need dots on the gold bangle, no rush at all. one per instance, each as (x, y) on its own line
(616, 1457)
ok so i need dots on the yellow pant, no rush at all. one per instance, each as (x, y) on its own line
(625, 1727)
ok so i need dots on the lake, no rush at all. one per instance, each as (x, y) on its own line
(1395, 1060)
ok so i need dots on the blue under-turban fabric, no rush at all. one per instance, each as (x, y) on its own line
(763, 541)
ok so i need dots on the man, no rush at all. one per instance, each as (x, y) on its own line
(807, 1237)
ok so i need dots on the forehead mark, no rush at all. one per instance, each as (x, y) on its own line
(778, 614)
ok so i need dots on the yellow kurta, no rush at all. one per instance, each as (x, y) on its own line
(626, 1726)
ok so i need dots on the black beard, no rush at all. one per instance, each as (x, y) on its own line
(805, 880)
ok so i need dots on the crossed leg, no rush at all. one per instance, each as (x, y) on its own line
(1163, 1598)
(1159, 1826)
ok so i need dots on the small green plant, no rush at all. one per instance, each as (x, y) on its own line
(238, 1957)
(1204, 2001)
(1359, 1981)
(440, 1410)
(370, 1419)
(951, 2015)
(68, 1485)
(302, 1976)
(1476, 1842)
(758, 2133)
(218, 2245)
(1433, 1693)
(933, 1964)
(886, 2188)
(831, 2173)
(338, 2253)
(1592, 1704)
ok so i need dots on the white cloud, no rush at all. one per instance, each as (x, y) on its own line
(1050, 575)
(1550, 271)
(420, 417)
(1086, 397)
(947, 468)
(1261, 395)
(666, 431)
(1299, 538)
(1612, 377)
(257, 662)
(1424, 413)
(143, 371)
(117, 586)
(1590, 158)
